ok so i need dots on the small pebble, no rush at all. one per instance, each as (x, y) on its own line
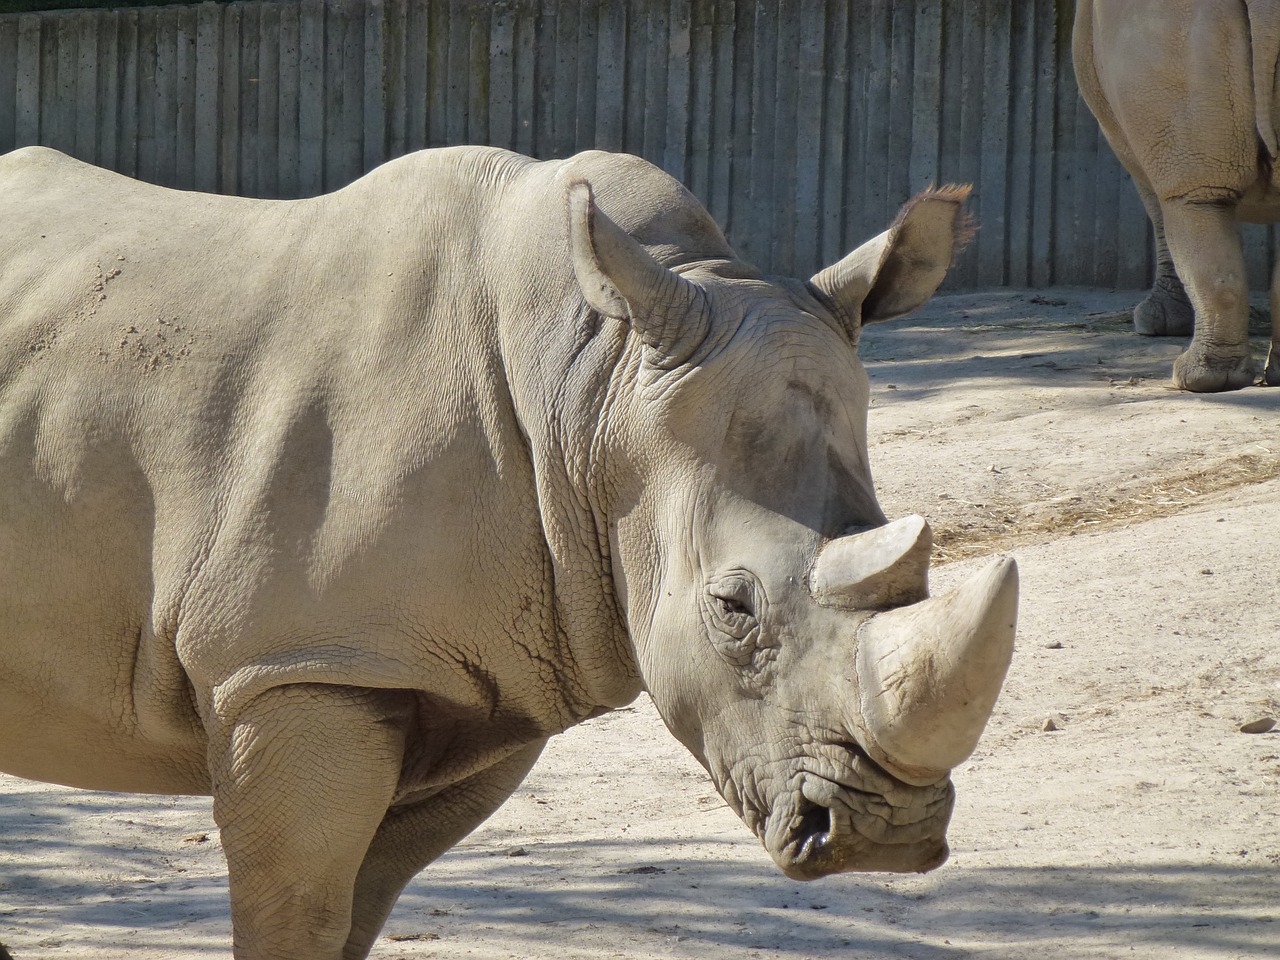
(517, 852)
(1049, 725)
(1053, 645)
(1206, 572)
(1261, 725)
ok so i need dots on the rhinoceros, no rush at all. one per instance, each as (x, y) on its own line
(1185, 91)
(337, 509)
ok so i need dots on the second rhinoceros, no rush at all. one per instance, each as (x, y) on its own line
(337, 509)
(1186, 94)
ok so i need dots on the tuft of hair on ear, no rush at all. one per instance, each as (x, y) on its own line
(965, 228)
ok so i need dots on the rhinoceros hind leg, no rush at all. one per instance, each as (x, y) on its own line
(1166, 311)
(302, 780)
(1204, 240)
(413, 835)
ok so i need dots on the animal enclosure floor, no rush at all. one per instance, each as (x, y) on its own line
(1146, 523)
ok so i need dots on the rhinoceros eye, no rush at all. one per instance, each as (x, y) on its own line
(731, 602)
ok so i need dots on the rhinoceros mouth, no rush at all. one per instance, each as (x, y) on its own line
(827, 842)
(864, 820)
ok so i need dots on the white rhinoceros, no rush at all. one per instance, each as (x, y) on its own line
(337, 509)
(1186, 94)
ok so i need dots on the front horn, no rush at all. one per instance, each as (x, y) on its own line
(619, 279)
(929, 674)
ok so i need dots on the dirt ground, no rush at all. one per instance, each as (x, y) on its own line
(1147, 526)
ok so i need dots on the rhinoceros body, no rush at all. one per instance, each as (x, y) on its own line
(1187, 94)
(337, 509)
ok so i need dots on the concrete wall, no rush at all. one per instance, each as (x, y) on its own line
(802, 124)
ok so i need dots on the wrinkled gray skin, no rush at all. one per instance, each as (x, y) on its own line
(1186, 93)
(337, 509)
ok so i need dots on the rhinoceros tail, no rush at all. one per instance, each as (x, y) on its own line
(1264, 40)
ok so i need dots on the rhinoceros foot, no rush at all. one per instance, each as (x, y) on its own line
(1166, 312)
(1201, 370)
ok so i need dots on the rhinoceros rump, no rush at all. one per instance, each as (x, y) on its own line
(337, 509)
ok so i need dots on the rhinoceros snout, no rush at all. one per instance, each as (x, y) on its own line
(828, 841)
(866, 820)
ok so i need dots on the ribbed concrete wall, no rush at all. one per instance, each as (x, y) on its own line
(801, 123)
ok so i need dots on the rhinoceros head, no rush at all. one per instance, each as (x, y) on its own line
(783, 628)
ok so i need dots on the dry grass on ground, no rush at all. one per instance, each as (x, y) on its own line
(997, 527)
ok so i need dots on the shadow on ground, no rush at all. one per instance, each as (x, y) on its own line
(729, 906)
(110, 868)
(1075, 338)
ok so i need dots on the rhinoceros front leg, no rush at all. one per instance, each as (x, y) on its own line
(301, 781)
(413, 835)
(1166, 311)
(1204, 240)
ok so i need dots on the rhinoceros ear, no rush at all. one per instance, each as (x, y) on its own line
(899, 270)
(619, 279)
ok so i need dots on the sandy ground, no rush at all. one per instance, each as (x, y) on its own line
(1147, 526)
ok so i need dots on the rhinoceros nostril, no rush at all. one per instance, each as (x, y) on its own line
(815, 827)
